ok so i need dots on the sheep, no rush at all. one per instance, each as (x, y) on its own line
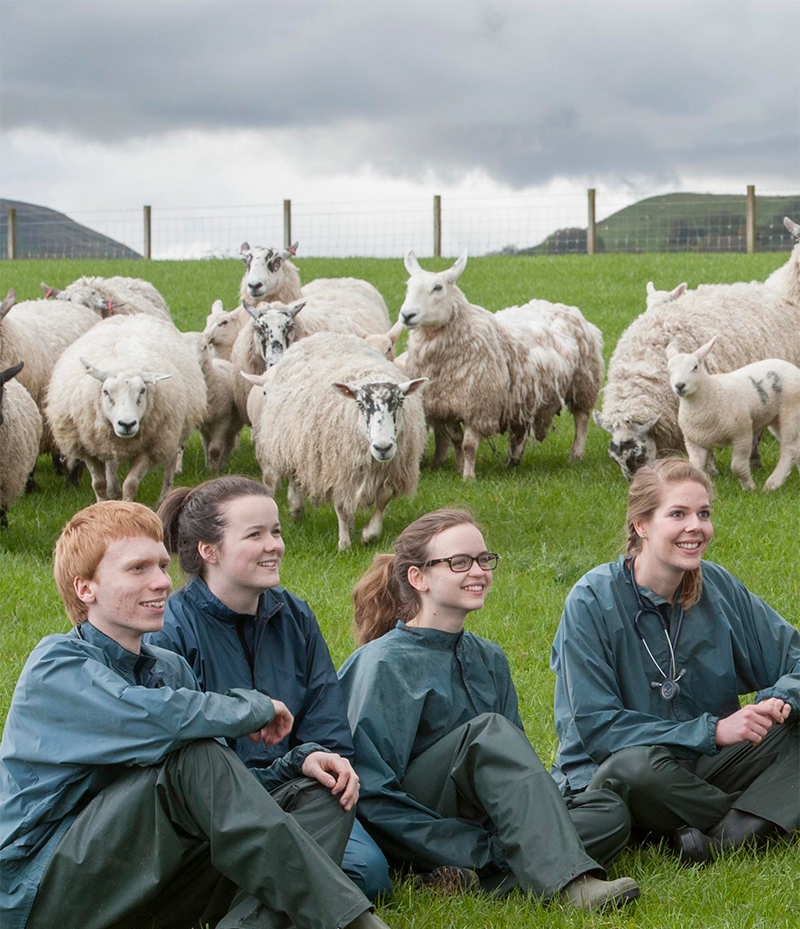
(640, 412)
(222, 424)
(506, 372)
(222, 328)
(269, 276)
(658, 297)
(20, 436)
(112, 296)
(717, 410)
(131, 389)
(354, 453)
(786, 279)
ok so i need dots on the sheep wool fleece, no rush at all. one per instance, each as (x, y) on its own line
(607, 714)
(112, 776)
(448, 776)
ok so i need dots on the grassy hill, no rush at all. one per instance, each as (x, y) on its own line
(46, 233)
(682, 222)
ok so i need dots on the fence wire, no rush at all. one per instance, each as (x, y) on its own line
(543, 224)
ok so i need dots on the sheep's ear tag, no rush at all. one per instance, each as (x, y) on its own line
(344, 389)
(150, 377)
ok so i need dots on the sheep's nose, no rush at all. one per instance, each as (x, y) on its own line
(126, 426)
(407, 317)
(679, 388)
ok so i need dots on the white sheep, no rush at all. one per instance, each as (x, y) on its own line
(717, 410)
(512, 371)
(114, 296)
(640, 411)
(221, 424)
(354, 453)
(20, 436)
(131, 389)
(786, 279)
(658, 297)
(222, 328)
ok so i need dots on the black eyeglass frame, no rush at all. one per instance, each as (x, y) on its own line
(486, 567)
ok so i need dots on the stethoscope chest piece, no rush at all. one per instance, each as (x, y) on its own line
(670, 690)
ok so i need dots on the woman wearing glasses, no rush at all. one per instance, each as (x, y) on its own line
(449, 782)
(651, 656)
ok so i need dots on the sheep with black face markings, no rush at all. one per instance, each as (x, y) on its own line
(342, 424)
(20, 435)
(130, 389)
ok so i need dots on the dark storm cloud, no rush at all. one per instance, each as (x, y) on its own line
(522, 91)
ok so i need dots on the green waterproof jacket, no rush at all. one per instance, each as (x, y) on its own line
(404, 692)
(731, 643)
(84, 711)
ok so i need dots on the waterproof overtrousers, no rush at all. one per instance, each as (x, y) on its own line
(195, 840)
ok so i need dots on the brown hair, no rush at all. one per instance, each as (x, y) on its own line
(194, 514)
(384, 595)
(644, 498)
(85, 538)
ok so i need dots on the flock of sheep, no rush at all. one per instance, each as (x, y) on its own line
(101, 375)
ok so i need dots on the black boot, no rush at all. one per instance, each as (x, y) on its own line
(692, 846)
(739, 828)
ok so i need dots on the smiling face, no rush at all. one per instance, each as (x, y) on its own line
(247, 561)
(126, 597)
(443, 591)
(677, 534)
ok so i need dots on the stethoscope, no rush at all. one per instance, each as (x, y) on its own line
(669, 687)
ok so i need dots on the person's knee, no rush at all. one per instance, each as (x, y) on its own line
(639, 771)
(492, 722)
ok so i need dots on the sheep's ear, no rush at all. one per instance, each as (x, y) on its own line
(650, 288)
(793, 228)
(678, 292)
(296, 309)
(245, 253)
(411, 263)
(245, 248)
(150, 377)
(598, 421)
(10, 300)
(409, 387)
(643, 429)
(458, 268)
(358, 330)
(217, 308)
(672, 349)
(94, 372)
(49, 291)
(13, 371)
(705, 350)
(258, 379)
(290, 251)
(344, 389)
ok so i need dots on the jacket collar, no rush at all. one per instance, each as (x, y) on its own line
(199, 594)
(432, 638)
(120, 657)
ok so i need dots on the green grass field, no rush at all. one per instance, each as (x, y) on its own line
(551, 521)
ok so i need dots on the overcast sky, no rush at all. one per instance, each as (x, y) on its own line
(111, 104)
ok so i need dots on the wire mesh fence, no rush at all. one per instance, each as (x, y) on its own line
(544, 224)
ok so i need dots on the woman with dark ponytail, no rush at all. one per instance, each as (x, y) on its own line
(237, 627)
(449, 783)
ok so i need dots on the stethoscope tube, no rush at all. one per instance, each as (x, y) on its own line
(669, 687)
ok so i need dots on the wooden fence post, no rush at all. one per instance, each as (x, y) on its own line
(11, 241)
(437, 226)
(147, 233)
(751, 218)
(591, 228)
(287, 223)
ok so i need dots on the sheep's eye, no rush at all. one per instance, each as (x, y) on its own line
(223, 322)
(437, 288)
(695, 367)
(105, 393)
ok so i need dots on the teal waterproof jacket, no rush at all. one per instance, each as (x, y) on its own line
(404, 692)
(731, 643)
(84, 711)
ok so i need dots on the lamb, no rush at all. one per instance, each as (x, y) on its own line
(718, 410)
(354, 453)
(20, 436)
(640, 412)
(222, 424)
(111, 296)
(658, 297)
(222, 328)
(786, 279)
(131, 389)
(507, 372)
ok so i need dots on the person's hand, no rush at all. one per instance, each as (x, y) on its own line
(276, 730)
(751, 723)
(335, 772)
(783, 708)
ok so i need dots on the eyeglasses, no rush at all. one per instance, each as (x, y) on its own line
(461, 563)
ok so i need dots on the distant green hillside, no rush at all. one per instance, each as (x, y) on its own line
(682, 222)
(46, 233)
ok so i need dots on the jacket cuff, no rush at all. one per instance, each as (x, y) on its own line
(713, 748)
(296, 756)
(784, 695)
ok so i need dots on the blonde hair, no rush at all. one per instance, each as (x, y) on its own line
(85, 538)
(645, 496)
(384, 595)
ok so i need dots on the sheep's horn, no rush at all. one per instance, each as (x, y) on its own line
(13, 371)
(252, 311)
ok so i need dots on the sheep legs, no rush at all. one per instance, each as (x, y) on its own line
(517, 439)
(97, 470)
(374, 527)
(457, 438)
(346, 521)
(581, 431)
(441, 443)
(113, 490)
(297, 503)
(790, 454)
(469, 447)
(740, 460)
(139, 467)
